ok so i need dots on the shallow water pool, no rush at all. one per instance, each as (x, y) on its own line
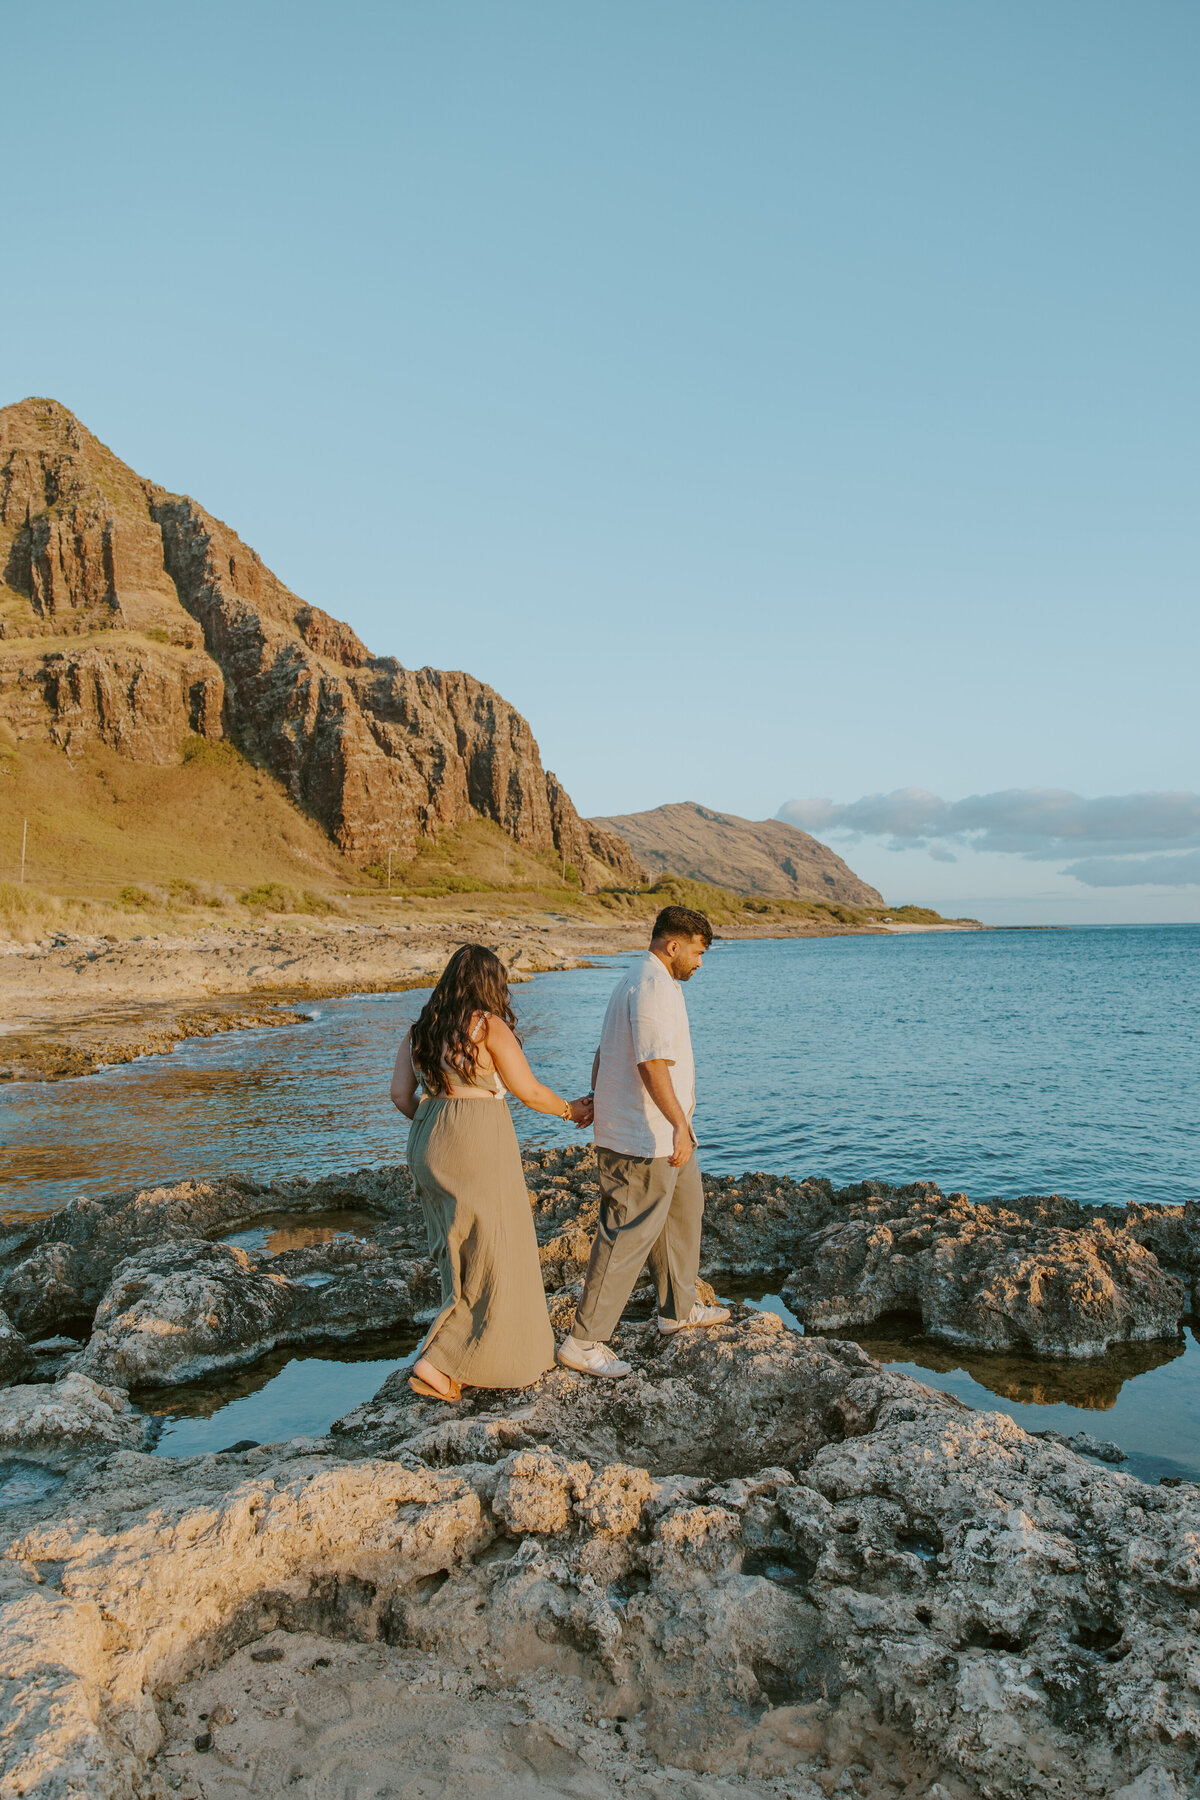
(286, 1394)
(1143, 1397)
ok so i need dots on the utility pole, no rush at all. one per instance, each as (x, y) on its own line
(24, 836)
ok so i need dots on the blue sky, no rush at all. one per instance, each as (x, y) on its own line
(774, 401)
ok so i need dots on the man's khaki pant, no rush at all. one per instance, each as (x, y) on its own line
(649, 1212)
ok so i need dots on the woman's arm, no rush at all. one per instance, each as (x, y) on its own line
(404, 1079)
(520, 1079)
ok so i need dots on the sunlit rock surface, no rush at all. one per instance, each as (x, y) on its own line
(60, 1266)
(181, 1310)
(137, 1278)
(796, 1568)
(764, 1561)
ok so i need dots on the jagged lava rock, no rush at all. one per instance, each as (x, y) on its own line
(1173, 1234)
(1042, 1274)
(60, 1266)
(75, 1415)
(710, 1403)
(169, 1570)
(984, 1276)
(182, 1309)
(16, 1359)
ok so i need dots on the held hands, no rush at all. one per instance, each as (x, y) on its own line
(682, 1146)
(581, 1112)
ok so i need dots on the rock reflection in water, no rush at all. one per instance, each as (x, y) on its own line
(275, 1233)
(283, 1395)
(760, 1292)
(1033, 1380)
(1150, 1391)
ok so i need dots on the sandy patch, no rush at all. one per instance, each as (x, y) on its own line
(318, 1719)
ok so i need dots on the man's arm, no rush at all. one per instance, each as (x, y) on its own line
(656, 1078)
(595, 1067)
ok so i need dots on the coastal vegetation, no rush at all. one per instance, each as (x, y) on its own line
(88, 873)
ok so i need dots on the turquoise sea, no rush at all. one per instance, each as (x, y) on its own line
(998, 1063)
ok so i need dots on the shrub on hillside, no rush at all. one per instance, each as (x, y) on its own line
(438, 886)
(27, 913)
(273, 896)
(207, 751)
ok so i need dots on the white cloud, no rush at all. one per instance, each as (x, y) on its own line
(1112, 834)
(1159, 871)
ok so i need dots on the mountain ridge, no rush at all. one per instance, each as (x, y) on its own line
(132, 618)
(767, 857)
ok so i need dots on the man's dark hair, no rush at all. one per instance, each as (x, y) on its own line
(681, 922)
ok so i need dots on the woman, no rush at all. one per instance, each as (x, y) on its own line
(493, 1329)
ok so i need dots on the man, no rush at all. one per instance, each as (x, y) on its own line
(651, 1198)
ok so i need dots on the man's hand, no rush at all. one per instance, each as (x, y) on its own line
(582, 1112)
(682, 1146)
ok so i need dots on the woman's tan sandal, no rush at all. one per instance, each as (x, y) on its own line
(423, 1387)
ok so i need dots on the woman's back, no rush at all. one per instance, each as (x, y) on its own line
(484, 1078)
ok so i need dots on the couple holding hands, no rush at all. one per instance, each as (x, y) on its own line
(453, 1072)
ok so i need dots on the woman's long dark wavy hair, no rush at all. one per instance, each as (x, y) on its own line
(473, 981)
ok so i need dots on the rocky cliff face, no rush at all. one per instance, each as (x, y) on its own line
(764, 856)
(131, 617)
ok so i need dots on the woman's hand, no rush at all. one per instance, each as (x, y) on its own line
(517, 1076)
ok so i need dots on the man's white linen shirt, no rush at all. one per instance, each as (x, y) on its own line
(646, 1021)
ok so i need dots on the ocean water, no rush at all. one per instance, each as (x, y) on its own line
(1006, 1063)
(998, 1063)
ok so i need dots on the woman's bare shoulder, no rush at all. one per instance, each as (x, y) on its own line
(498, 1032)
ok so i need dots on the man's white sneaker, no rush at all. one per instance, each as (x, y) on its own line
(699, 1315)
(591, 1359)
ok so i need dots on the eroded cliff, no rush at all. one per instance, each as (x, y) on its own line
(130, 617)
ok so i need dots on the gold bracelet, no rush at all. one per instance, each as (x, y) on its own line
(566, 1111)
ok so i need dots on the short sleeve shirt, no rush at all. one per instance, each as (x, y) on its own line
(646, 1021)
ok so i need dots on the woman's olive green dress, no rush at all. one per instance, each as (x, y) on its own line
(493, 1330)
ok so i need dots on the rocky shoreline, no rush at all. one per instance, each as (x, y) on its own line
(146, 1277)
(765, 1565)
(74, 1047)
(73, 1004)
